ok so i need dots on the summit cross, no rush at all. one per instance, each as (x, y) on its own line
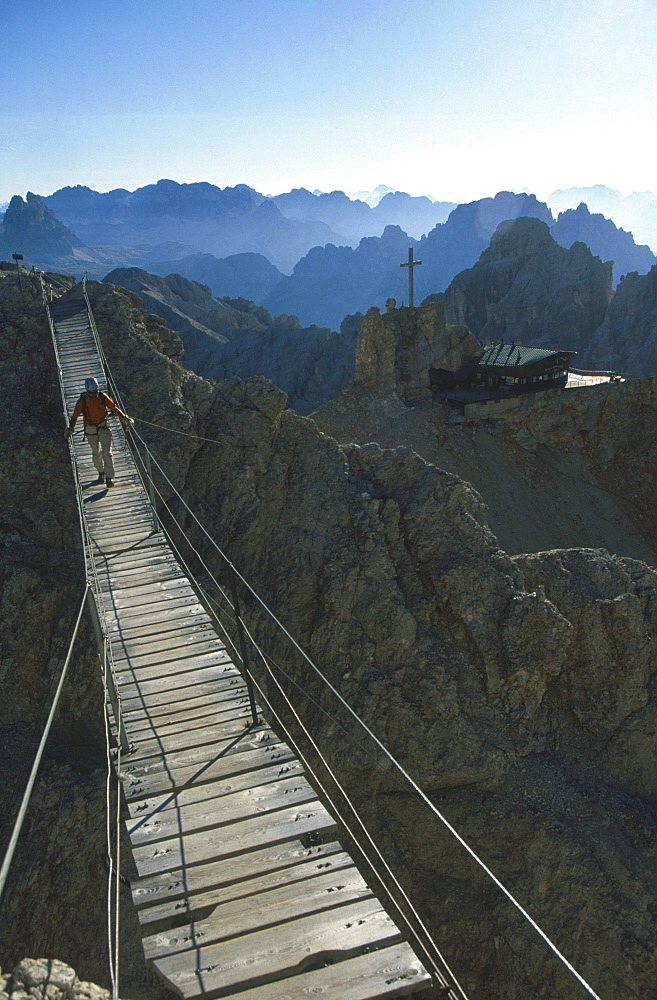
(410, 264)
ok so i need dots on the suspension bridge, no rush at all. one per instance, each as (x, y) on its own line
(243, 888)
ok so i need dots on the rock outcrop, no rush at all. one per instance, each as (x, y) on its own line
(47, 979)
(393, 355)
(31, 228)
(382, 565)
(527, 289)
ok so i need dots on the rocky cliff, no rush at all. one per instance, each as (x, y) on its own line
(626, 340)
(31, 228)
(527, 289)
(604, 239)
(479, 670)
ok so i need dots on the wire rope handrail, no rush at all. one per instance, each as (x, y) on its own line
(419, 793)
(20, 818)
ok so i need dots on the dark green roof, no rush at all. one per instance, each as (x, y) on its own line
(514, 355)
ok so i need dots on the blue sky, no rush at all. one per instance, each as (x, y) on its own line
(454, 98)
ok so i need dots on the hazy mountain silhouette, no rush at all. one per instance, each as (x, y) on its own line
(356, 219)
(636, 212)
(605, 239)
(246, 275)
(205, 217)
(31, 228)
(234, 220)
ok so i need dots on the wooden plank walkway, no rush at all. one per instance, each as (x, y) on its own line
(242, 888)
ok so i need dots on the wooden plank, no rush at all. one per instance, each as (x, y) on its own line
(197, 716)
(142, 715)
(176, 647)
(383, 974)
(152, 556)
(235, 757)
(169, 632)
(250, 914)
(236, 838)
(200, 897)
(172, 606)
(225, 672)
(146, 763)
(194, 793)
(157, 594)
(152, 677)
(144, 589)
(281, 951)
(204, 685)
(182, 818)
(144, 730)
(227, 873)
(117, 575)
(183, 635)
(167, 617)
(189, 739)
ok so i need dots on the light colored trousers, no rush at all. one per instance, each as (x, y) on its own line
(100, 440)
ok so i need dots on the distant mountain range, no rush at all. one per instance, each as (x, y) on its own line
(240, 243)
(636, 212)
(235, 220)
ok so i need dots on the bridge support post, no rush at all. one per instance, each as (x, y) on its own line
(242, 642)
(101, 641)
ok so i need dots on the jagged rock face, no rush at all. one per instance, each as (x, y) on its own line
(626, 340)
(393, 355)
(31, 228)
(527, 289)
(382, 565)
(604, 239)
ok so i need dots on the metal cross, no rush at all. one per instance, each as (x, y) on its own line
(410, 264)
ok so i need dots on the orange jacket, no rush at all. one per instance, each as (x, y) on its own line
(94, 409)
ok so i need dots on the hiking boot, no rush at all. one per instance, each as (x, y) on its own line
(100, 479)
(109, 482)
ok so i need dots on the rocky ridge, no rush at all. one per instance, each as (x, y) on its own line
(383, 566)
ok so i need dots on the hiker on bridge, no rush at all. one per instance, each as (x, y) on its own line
(93, 405)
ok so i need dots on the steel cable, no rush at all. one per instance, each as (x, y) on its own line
(18, 823)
